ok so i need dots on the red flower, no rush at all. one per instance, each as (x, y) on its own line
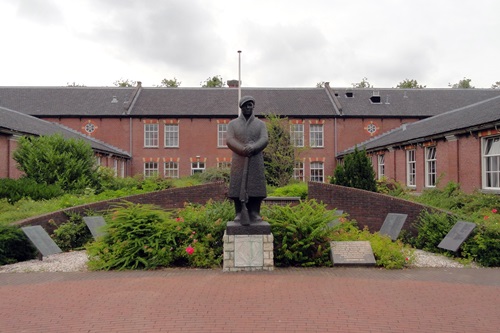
(179, 219)
(494, 210)
(486, 217)
(189, 250)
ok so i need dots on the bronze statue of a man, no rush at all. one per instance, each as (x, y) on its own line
(247, 138)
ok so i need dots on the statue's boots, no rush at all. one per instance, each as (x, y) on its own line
(254, 209)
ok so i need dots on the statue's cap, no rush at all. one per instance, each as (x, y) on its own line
(245, 99)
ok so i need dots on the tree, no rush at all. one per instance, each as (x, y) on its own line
(363, 84)
(409, 84)
(124, 83)
(279, 156)
(320, 84)
(74, 85)
(496, 85)
(462, 84)
(356, 172)
(170, 83)
(213, 82)
(69, 163)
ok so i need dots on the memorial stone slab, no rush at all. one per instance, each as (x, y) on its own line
(393, 224)
(457, 235)
(336, 221)
(95, 224)
(41, 239)
(352, 253)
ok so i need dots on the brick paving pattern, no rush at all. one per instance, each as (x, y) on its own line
(285, 300)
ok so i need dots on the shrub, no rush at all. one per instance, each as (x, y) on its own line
(14, 245)
(15, 189)
(72, 235)
(292, 190)
(301, 233)
(357, 171)
(215, 175)
(68, 163)
(432, 227)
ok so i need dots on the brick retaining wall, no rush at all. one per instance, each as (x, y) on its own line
(168, 199)
(367, 208)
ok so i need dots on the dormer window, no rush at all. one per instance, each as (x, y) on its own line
(349, 94)
(375, 99)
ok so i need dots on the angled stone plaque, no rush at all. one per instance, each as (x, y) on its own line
(95, 224)
(248, 251)
(41, 239)
(335, 222)
(457, 235)
(352, 253)
(393, 224)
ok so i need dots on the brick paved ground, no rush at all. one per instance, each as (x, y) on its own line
(286, 300)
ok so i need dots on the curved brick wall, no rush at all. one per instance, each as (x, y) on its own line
(367, 208)
(169, 199)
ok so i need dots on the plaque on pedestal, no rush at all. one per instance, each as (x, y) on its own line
(95, 224)
(41, 239)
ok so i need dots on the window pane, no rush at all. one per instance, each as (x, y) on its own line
(317, 172)
(171, 170)
(150, 135)
(297, 135)
(221, 135)
(172, 135)
(316, 135)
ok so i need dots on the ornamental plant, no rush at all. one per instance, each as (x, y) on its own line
(301, 233)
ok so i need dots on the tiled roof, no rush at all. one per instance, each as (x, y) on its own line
(13, 122)
(66, 101)
(180, 102)
(408, 102)
(478, 116)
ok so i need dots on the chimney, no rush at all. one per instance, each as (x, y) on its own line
(232, 83)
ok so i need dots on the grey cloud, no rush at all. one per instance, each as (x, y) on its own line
(179, 34)
(40, 11)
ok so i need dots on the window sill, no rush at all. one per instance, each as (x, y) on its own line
(490, 191)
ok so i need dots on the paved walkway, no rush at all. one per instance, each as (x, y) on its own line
(286, 300)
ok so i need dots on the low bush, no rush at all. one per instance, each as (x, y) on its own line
(147, 237)
(432, 227)
(14, 245)
(16, 189)
(293, 190)
(72, 235)
(301, 233)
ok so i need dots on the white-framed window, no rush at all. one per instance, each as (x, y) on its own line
(197, 167)
(150, 135)
(381, 166)
(430, 167)
(172, 135)
(411, 168)
(297, 135)
(317, 172)
(298, 171)
(150, 169)
(115, 167)
(491, 163)
(221, 135)
(171, 169)
(224, 165)
(316, 135)
(122, 168)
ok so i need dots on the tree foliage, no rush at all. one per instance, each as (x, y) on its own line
(68, 163)
(213, 82)
(320, 84)
(462, 84)
(496, 85)
(409, 84)
(357, 171)
(124, 83)
(279, 155)
(172, 83)
(363, 84)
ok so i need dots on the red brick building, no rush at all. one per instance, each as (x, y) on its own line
(461, 145)
(175, 132)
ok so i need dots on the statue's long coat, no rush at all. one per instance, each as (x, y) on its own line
(240, 132)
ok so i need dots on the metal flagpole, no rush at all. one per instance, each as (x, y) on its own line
(239, 79)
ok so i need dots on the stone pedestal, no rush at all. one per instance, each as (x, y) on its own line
(248, 248)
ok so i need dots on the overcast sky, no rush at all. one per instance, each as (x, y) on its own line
(284, 43)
